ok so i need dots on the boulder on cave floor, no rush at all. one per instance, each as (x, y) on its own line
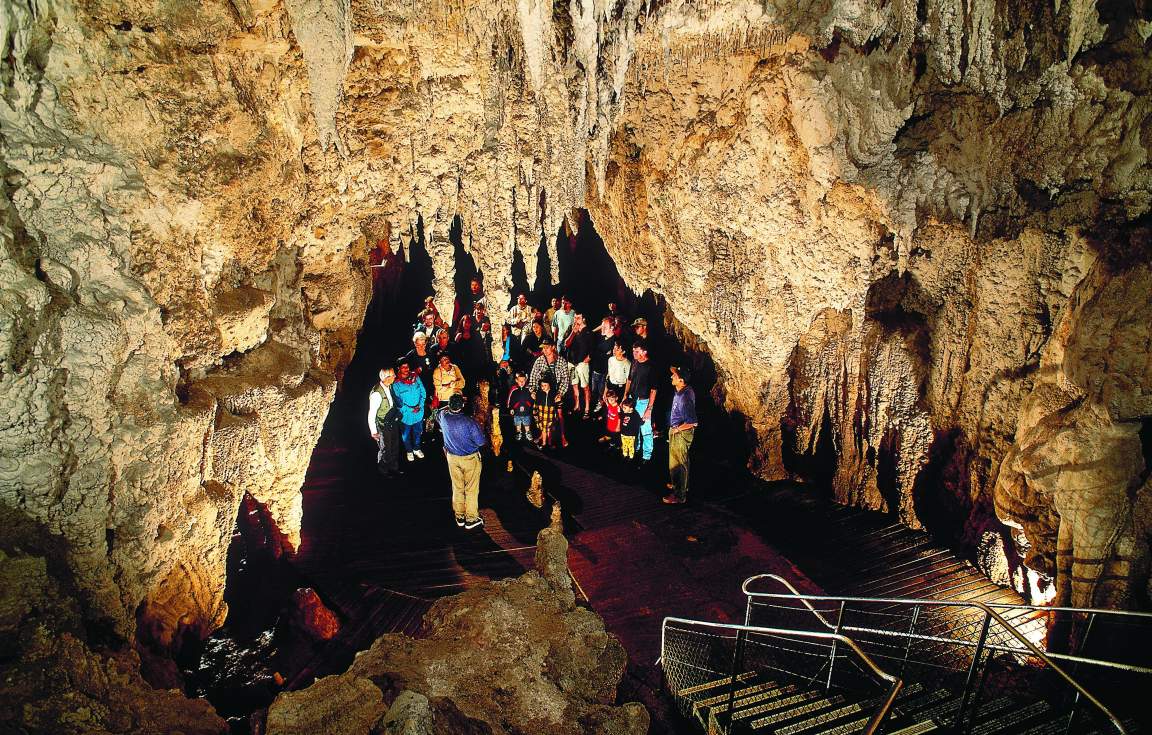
(516, 655)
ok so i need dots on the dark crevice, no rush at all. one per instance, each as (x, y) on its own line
(1145, 449)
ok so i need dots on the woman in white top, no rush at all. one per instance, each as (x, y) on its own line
(618, 369)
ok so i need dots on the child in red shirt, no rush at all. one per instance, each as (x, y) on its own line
(611, 419)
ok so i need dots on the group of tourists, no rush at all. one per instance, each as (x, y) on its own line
(551, 368)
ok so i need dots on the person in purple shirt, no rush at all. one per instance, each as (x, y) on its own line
(681, 429)
(463, 439)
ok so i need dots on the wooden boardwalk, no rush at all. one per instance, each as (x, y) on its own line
(381, 554)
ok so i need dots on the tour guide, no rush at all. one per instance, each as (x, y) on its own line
(681, 429)
(463, 439)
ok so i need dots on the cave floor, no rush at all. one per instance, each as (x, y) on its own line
(381, 552)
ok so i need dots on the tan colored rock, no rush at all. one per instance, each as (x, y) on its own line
(341, 705)
(241, 315)
(1076, 479)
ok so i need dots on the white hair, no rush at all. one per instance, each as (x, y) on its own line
(419, 335)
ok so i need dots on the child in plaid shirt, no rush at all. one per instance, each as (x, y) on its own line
(545, 409)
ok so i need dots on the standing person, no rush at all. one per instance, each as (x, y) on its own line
(603, 343)
(427, 324)
(578, 348)
(520, 317)
(463, 439)
(545, 410)
(383, 417)
(641, 388)
(640, 330)
(562, 321)
(611, 419)
(411, 396)
(480, 316)
(508, 344)
(447, 381)
(467, 348)
(520, 404)
(629, 428)
(681, 430)
(550, 362)
(548, 316)
(465, 304)
(619, 366)
(442, 345)
(503, 381)
(536, 336)
(421, 361)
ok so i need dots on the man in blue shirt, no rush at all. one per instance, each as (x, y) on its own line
(681, 429)
(463, 439)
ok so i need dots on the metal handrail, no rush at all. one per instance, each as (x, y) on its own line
(989, 613)
(1076, 659)
(895, 682)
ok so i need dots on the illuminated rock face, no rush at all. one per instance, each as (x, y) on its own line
(883, 220)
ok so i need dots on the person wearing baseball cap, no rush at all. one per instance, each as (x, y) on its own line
(640, 328)
(463, 440)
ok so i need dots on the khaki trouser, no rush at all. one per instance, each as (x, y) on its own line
(678, 446)
(465, 474)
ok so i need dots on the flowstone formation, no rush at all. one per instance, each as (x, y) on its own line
(897, 227)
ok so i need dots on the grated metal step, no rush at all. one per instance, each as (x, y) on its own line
(705, 711)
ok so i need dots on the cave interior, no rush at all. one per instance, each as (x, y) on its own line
(904, 248)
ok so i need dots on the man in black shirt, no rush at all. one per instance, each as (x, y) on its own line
(578, 347)
(641, 387)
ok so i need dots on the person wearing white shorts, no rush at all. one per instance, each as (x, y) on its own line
(578, 348)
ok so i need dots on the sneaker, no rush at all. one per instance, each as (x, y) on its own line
(474, 523)
(419, 453)
(460, 521)
(673, 500)
(409, 456)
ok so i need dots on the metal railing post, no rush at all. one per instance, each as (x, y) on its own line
(737, 657)
(911, 632)
(1076, 670)
(959, 720)
(832, 655)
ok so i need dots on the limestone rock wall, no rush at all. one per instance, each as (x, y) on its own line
(878, 231)
(875, 214)
(161, 354)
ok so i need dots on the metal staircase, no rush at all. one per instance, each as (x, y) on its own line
(826, 665)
